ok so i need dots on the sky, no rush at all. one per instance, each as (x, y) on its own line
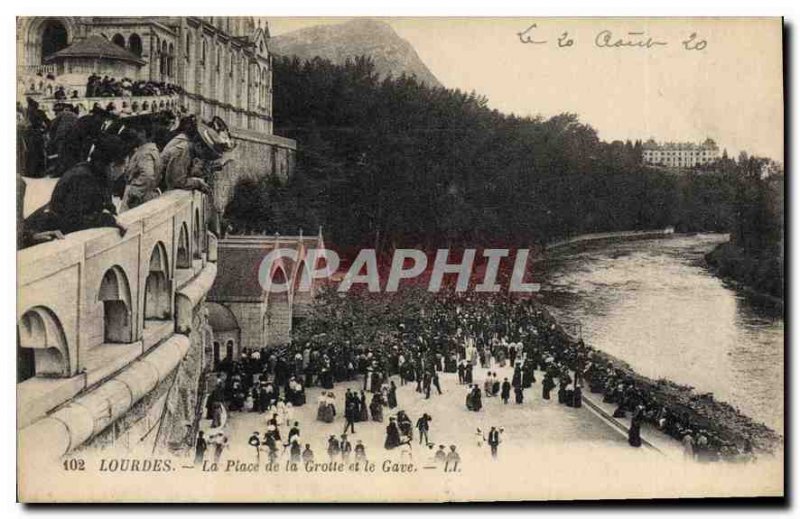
(731, 89)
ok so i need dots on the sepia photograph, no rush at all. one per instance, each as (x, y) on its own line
(267, 259)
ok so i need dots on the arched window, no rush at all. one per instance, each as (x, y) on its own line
(162, 63)
(115, 295)
(135, 44)
(171, 60)
(157, 291)
(218, 57)
(41, 345)
(229, 346)
(118, 39)
(204, 49)
(183, 260)
(263, 88)
(188, 46)
(278, 317)
(54, 38)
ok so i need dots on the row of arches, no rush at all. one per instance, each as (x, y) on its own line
(163, 53)
(248, 83)
(42, 348)
(133, 43)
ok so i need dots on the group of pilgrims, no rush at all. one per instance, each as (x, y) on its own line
(415, 336)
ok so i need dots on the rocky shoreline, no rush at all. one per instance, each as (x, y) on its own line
(720, 417)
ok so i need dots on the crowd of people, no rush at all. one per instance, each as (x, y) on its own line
(105, 86)
(415, 336)
(101, 157)
(48, 85)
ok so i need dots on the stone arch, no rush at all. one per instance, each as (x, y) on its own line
(42, 344)
(115, 295)
(183, 259)
(135, 44)
(225, 327)
(119, 40)
(157, 289)
(277, 320)
(53, 36)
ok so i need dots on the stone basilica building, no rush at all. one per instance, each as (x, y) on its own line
(222, 64)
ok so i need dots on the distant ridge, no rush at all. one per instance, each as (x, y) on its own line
(391, 54)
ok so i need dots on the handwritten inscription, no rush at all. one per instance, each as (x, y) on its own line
(607, 39)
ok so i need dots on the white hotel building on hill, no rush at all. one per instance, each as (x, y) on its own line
(679, 154)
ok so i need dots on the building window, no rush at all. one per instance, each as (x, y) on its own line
(54, 38)
(162, 63)
(171, 60)
(135, 44)
(188, 46)
(204, 50)
(118, 39)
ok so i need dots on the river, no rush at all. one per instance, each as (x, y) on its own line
(653, 304)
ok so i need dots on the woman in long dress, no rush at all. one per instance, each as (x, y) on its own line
(376, 407)
(487, 384)
(330, 409)
(634, 433)
(322, 407)
(476, 399)
(392, 395)
(363, 409)
(392, 435)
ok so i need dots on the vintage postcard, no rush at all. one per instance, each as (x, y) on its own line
(399, 260)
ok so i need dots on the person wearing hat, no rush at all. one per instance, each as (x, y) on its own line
(141, 171)
(200, 449)
(333, 447)
(452, 457)
(191, 159)
(255, 442)
(440, 455)
(82, 197)
(392, 435)
(182, 159)
(63, 124)
(360, 452)
(308, 454)
(346, 448)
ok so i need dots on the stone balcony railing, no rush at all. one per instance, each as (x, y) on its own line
(133, 105)
(102, 318)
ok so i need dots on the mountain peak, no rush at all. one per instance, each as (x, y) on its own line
(391, 54)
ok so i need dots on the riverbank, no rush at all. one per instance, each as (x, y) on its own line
(760, 278)
(611, 236)
(700, 409)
